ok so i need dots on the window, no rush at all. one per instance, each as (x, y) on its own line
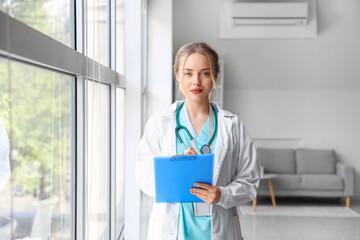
(120, 119)
(120, 37)
(60, 177)
(97, 212)
(36, 121)
(120, 158)
(50, 17)
(97, 31)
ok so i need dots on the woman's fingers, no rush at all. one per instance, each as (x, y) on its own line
(190, 151)
(199, 193)
(203, 185)
(209, 193)
(197, 190)
(203, 197)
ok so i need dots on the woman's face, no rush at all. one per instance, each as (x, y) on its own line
(194, 77)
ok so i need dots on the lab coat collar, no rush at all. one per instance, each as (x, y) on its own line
(171, 111)
(169, 134)
(222, 142)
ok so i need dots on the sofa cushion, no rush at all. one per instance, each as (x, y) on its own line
(322, 182)
(285, 182)
(312, 161)
(277, 160)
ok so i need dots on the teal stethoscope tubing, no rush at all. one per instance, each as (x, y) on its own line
(179, 127)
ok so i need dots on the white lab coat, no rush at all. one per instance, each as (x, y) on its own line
(236, 173)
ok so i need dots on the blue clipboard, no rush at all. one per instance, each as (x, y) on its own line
(175, 175)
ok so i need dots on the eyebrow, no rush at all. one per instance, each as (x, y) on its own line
(188, 69)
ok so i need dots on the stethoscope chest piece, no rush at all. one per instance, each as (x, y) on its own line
(205, 149)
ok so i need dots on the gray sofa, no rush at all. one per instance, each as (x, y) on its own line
(306, 172)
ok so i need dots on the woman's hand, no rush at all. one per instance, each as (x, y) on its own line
(209, 193)
(190, 151)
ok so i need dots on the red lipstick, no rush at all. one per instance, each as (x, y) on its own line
(196, 91)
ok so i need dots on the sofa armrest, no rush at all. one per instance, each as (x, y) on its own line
(348, 174)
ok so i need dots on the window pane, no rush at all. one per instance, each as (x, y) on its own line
(120, 157)
(35, 152)
(97, 30)
(120, 37)
(50, 17)
(97, 213)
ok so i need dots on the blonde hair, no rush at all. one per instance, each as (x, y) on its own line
(207, 51)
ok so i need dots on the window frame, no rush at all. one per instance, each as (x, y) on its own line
(20, 42)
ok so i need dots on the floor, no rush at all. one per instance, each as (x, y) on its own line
(294, 228)
(287, 228)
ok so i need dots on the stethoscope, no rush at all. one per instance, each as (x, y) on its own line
(205, 149)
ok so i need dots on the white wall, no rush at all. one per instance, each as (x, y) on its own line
(159, 75)
(294, 88)
(159, 90)
(133, 115)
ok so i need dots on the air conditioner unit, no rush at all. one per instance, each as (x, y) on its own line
(270, 13)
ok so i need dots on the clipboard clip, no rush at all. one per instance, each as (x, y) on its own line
(183, 157)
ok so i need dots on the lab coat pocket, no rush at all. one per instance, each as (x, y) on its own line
(237, 230)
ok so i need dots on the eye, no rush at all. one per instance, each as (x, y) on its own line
(206, 74)
(187, 74)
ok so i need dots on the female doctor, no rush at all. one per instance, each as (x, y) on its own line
(198, 126)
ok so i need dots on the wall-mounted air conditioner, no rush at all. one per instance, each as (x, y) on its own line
(270, 13)
(267, 19)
